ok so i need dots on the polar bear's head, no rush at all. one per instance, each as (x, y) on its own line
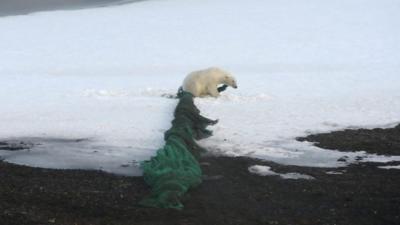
(229, 80)
(221, 76)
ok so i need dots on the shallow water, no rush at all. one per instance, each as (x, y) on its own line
(21, 7)
(35, 151)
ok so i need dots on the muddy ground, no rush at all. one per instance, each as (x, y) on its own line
(360, 194)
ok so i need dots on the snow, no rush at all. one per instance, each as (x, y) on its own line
(99, 74)
(389, 167)
(262, 170)
(120, 126)
(335, 172)
(295, 176)
(266, 171)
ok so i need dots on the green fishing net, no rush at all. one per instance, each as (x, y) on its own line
(174, 170)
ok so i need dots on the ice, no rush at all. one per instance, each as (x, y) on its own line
(335, 172)
(266, 171)
(262, 170)
(296, 176)
(389, 167)
(107, 75)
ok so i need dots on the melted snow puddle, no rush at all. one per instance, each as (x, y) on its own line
(69, 153)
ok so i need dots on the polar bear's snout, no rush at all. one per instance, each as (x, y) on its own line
(229, 80)
(234, 85)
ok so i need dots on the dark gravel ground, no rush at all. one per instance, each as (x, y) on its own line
(380, 141)
(362, 194)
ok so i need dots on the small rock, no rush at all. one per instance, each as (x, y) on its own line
(343, 159)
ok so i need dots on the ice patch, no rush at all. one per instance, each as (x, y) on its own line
(389, 167)
(62, 153)
(296, 176)
(380, 158)
(334, 172)
(266, 171)
(262, 170)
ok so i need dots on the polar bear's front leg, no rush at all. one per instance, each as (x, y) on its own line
(213, 91)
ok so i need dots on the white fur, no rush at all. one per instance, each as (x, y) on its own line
(205, 82)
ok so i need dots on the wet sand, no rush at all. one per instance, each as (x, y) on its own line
(21, 7)
(358, 194)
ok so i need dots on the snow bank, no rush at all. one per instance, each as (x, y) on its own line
(99, 74)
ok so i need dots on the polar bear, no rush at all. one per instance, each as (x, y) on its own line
(205, 82)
